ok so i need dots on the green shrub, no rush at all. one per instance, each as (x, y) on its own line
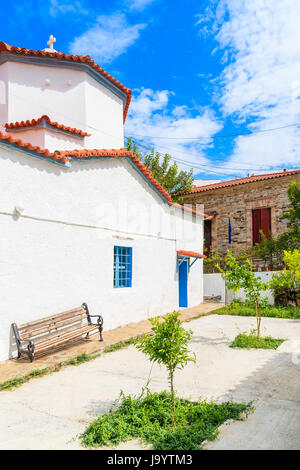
(286, 283)
(150, 418)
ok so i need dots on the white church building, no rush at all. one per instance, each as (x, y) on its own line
(81, 218)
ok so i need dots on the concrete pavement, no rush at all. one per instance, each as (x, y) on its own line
(50, 412)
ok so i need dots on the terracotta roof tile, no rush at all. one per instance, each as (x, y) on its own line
(35, 122)
(193, 254)
(74, 58)
(31, 148)
(247, 179)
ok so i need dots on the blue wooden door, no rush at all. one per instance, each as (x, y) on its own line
(183, 284)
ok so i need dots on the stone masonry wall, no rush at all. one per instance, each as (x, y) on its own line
(237, 202)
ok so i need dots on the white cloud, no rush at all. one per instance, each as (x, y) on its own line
(260, 80)
(151, 114)
(57, 6)
(139, 4)
(108, 38)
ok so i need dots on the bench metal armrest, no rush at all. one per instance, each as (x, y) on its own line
(20, 341)
(99, 321)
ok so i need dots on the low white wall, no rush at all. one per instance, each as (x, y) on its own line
(214, 285)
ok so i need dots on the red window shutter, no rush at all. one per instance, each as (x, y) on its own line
(207, 235)
(256, 226)
(266, 221)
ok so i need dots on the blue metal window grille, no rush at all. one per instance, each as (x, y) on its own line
(122, 266)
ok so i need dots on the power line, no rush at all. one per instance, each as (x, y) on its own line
(202, 166)
(222, 136)
(197, 166)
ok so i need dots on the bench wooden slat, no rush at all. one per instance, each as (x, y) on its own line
(65, 338)
(50, 320)
(61, 333)
(52, 326)
(69, 313)
(62, 339)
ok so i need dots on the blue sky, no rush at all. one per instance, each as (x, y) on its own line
(201, 72)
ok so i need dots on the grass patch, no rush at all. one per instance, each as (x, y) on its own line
(120, 345)
(149, 417)
(80, 359)
(247, 309)
(244, 340)
(16, 382)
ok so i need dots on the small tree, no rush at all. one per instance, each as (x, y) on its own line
(241, 276)
(164, 171)
(168, 346)
(286, 283)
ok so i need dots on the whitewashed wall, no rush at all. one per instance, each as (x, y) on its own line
(214, 285)
(72, 98)
(59, 253)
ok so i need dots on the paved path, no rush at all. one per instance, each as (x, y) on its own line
(21, 367)
(50, 412)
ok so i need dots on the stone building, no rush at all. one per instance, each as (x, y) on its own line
(241, 208)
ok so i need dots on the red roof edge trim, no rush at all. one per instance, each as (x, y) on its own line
(32, 148)
(247, 179)
(128, 101)
(35, 122)
(74, 58)
(192, 254)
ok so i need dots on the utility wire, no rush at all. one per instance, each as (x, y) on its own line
(222, 136)
(201, 166)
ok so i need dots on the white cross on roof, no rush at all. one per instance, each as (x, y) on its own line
(50, 43)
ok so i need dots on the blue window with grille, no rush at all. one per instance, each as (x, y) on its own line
(122, 266)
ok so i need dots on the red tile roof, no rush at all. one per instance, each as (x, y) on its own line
(27, 146)
(74, 58)
(66, 155)
(192, 254)
(35, 122)
(247, 179)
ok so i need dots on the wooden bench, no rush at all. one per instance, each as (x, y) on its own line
(46, 333)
